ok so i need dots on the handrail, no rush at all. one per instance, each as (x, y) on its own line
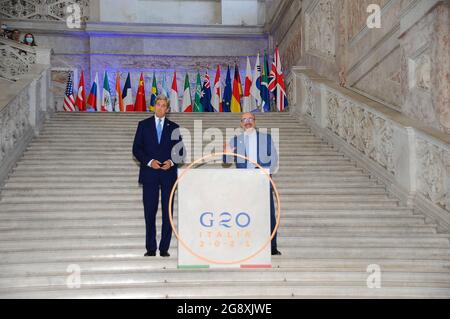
(24, 106)
(17, 45)
(16, 59)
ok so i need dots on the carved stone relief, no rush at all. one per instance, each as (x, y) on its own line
(433, 174)
(367, 132)
(320, 27)
(14, 120)
(14, 62)
(50, 10)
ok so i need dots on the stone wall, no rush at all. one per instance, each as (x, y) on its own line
(412, 160)
(404, 64)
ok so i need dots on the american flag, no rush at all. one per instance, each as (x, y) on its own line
(69, 101)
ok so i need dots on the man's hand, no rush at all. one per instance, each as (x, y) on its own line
(228, 149)
(166, 165)
(156, 164)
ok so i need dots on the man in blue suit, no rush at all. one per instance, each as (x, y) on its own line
(159, 148)
(259, 147)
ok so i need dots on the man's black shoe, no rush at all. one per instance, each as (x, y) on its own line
(275, 252)
(164, 254)
(150, 253)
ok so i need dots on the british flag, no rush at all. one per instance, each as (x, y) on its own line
(276, 84)
(69, 101)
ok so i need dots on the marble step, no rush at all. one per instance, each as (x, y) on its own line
(84, 134)
(57, 191)
(223, 291)
(142, 264)
(128, 156)
(127, 242)
(127, 160)
(400, 232)
(285, 222)
(70, 205)
(284, 169)
(314, 252)
(17, 204)
(125, 197)
(194, 150)
(33, 166)
(284, 186)
(206, 123)
(407, 234)
(53, 139)
(208, 277)
(121, 213)
(132, 179)
(189, 133)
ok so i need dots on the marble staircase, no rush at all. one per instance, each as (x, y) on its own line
(73, 199)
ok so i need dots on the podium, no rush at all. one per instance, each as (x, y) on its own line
(223, 218)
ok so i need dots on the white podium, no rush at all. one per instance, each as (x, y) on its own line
(224, 218)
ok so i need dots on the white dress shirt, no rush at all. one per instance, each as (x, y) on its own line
(252, 151)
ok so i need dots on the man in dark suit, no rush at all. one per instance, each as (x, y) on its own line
(159, 148)
(259, 147)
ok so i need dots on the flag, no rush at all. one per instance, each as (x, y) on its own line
(164, 89)
(206, 95)
(241, 91)
(236, 97)
(106, 100)
(93, 97)
(127, 95)
(265, 94)
(118, 102)
(174, 94)
(187, 101)
(69, 101)
(227, 93)
(247, 100)
(139, 104)
(216, 101)
(277, 84)
(255, 90)
(198, 94)
(80, 101)
(154, 94)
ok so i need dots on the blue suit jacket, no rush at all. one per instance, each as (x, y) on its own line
(267, 153)
(146, 148)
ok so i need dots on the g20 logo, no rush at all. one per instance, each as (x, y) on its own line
(225, 219)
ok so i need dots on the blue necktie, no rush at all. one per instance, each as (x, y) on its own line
(159, 130)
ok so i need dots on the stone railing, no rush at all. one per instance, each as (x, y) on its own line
(16, 59)
(46, 10)
(411, 160)
(24, 106)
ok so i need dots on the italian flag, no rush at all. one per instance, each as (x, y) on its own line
(187, 102)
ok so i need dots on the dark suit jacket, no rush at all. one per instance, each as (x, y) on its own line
(146, 148)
